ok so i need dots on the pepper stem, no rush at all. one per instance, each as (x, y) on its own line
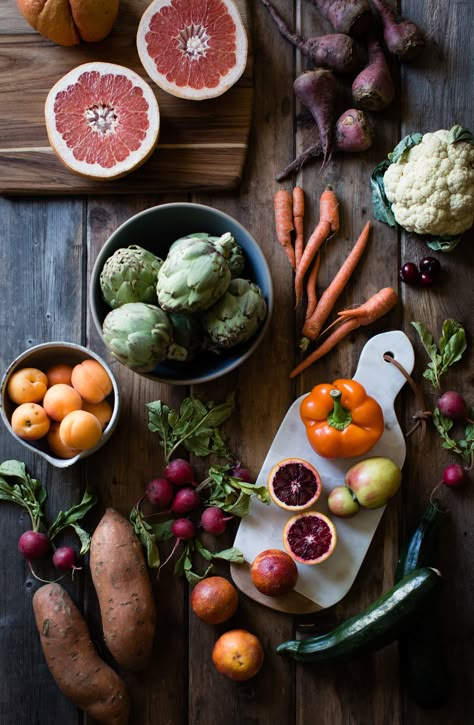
(340, 417)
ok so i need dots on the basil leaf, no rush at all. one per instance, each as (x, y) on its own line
(459, 133)
(403, 146)
(232, 554)
(381, 205)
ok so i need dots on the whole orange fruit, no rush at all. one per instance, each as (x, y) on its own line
(214, 600)
(68, 22)
(273, 572)
(238, 654)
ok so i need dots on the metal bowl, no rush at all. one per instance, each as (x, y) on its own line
(156, 229)
(42, 356)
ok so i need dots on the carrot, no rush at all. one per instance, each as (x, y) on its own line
(283, 207)
(328, 222)
(298, 214)
(376, 306)
(311, 286)
(313, 326)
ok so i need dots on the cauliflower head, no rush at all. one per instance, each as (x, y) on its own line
(431, 185)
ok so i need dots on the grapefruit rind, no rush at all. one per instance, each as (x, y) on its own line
(297, 519)
(74, 83)
(144, 39)
(278, 500)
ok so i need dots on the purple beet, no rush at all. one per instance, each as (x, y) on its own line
(373, 88)
(402, 37)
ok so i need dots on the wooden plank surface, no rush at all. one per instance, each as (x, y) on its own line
(48, 249)
(202, 144)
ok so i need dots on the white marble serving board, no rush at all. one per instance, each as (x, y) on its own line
(328, 582)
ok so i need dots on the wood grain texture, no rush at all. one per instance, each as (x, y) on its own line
(202, 145)
(49, 246)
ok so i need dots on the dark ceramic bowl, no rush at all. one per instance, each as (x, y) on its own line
(43, 356)
(156, 229)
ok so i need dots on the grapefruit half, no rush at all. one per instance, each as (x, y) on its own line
(193, 50)
(102, 120)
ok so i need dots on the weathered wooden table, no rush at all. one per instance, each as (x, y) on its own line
(48, 246)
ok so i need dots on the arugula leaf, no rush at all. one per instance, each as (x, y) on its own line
(196, 426)
(450, 348)
(71, 518)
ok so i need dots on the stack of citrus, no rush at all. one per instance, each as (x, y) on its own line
(65, 404)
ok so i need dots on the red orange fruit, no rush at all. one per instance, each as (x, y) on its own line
(294, 484)
(309, 537)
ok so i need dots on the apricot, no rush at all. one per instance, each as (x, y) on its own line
(80, 430)
(238, 654)
(61, 399)
(27, 385)
(102, 411)
(91, 381)
(56, 445)
(30, 421)
(60, 373)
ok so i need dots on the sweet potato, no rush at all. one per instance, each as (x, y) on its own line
(73, 661)
(122, 583)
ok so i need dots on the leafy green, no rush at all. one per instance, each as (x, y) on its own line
(459, 133)
(17, 486)
(146, 536)
(229, 493)
(382, 207)
(463, 447)
(449, 349)
(196, 426)
(442, 244)
(404, 146)
(71, 517)
(184, 565)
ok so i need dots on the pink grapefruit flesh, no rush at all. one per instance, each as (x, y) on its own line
(102, 120)
(193, 50)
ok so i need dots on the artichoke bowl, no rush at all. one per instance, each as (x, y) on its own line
(155, 230)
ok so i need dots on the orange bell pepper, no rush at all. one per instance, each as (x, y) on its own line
(341, 420)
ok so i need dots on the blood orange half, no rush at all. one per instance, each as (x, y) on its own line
(294, 484)
(102, 120)
(193, 49)
(309, 537)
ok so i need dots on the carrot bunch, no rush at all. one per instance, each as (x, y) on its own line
(305, 260)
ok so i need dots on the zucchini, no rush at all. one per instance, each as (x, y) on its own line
(377, 626)
(423, 664)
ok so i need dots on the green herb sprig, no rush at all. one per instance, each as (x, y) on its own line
(463, 447)
(449, 349)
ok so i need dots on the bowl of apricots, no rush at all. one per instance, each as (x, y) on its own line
(60, 400)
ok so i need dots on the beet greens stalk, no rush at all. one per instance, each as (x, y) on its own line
(336, 51)
(402, 37)
(373, 88)
(353, 133)
(346, 16)
(317, 90)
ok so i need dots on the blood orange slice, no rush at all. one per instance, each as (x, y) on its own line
(193, 50)
(309, 537)
(294, 484)
(102, 120)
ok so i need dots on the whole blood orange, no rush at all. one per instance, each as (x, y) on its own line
(214, 600)
(102, 120)
(193, 50)
(238, 654)
(309, 537)
(273, 572)
(294, 484)
(67, 22)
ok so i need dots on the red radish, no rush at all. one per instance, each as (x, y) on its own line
(64, 559)
(317, 90)
(336, 51)
(183, 529)
(402, 37)
(346, 16)
(33, 545)
(179, 471)
(186, 499)
(214, 521)
(242, 474)
(160, 492)
(454, 475)
(373, 88)
(353, 133)
(453, 405)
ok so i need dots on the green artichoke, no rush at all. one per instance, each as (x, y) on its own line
(227, 245)
(130, 275)
(140, 336)
(193, 276)
(236, 316)
(187, 333)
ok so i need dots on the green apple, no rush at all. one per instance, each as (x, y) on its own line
(342, 502)
(374, 481)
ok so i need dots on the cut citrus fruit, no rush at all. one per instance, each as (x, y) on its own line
(294, 484)
(193, 50)
(309, 537)
(102, 120)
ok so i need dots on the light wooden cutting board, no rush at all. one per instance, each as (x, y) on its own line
(327, 583)
(202, 144)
